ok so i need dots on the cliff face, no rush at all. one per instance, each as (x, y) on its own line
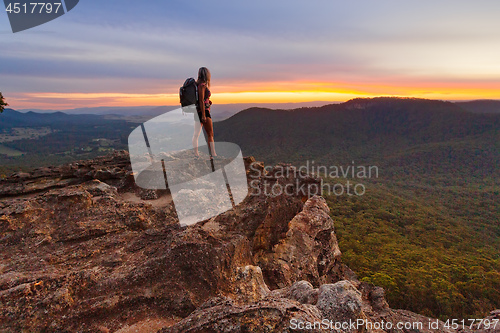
(84, 250)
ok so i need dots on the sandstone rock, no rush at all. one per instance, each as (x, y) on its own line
(416, 322)
(341, 302)
(249, 285)
(268, 315)
(148, 194)
(301, 291)
(307, 251)
(111, 168)
(83, 252)
(20, 175)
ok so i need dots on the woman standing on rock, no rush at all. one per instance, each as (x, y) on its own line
(203, 110)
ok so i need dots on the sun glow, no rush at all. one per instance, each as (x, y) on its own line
(279, 92)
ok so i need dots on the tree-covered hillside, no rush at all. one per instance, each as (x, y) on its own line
(65, 138)
(428, 228)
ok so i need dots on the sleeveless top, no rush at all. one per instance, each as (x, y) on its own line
(207, 100)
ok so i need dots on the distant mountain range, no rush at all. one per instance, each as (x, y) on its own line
(11, 118)
(31, 139)
(388, 131)
(219, 111)
(481, 106)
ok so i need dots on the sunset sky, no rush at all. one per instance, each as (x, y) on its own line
(131, 53)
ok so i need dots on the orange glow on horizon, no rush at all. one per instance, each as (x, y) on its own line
(278, 92)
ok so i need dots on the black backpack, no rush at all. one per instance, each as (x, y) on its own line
(188, 95)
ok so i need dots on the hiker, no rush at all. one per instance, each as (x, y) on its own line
(203, 110)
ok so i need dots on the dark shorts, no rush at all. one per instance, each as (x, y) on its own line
(207, 114)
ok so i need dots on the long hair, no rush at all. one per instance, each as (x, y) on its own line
(204, 76)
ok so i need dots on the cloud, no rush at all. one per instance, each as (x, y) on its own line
(151, 47)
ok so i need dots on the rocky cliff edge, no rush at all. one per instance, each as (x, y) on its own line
(85, 250)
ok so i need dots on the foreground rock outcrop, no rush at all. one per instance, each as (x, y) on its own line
(85, 250)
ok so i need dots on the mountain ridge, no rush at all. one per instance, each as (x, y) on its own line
(383, 124)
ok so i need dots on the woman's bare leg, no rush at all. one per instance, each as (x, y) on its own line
(196, 135)
(209, 128)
